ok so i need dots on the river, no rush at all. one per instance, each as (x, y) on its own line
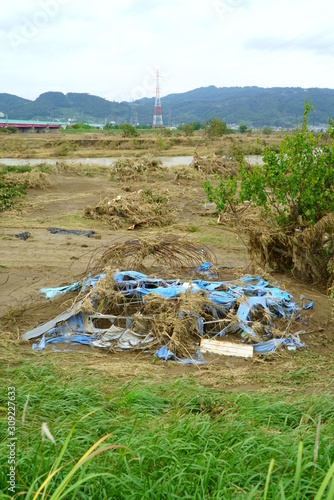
(167, 161)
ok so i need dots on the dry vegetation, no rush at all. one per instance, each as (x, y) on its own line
(90, 145)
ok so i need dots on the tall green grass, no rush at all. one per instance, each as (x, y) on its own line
(164, 440)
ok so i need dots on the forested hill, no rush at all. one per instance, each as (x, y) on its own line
(254, 106)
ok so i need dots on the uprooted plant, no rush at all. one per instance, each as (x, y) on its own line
(295, 188)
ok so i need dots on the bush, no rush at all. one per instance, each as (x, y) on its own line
(267, 130)
(196, 125)
(215, 128)
(295, 187)
(128, 130)
(80, 125)
(297, 184)
(8, 191)
(8, 130)
(243, 128)
(188, 129)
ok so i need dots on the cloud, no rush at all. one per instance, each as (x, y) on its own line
(112, 49)
(319, 41)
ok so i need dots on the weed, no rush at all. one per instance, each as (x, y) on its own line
(191, 228)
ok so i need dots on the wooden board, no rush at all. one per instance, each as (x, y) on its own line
(226, 348)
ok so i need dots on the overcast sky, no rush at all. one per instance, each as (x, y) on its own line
(112, 49)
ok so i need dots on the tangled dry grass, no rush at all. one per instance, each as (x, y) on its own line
(171, 251)
(213, 164)
(134, 168)
(245, 216)
(32, 180)
(307, 252)
(142, 208)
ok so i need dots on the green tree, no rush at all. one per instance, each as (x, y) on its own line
(294, 185)
(267, 130)
(196, 125)
(223, 193)
(128, 130)
(243, 128)
(215, 128)
(81, 126)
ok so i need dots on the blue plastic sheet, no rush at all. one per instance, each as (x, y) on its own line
(206, 269)
(63, 339)
(246, 296)
(50, 293)
(270, 346)
(165, 354)
(57, 230)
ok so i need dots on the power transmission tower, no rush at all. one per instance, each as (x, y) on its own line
(157, 118)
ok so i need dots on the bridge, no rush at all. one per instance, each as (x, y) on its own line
(32, 125)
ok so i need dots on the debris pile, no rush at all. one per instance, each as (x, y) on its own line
(308, 252)
(173, 254)
(213, 164)
(132, 210)
(120, 310)
(246, 216)
(31, 180)
(133, 168)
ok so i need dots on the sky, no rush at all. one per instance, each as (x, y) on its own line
(113, 49)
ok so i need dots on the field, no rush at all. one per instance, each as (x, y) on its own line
(231, 428)
(105, 144)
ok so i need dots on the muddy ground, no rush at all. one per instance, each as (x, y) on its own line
(47, 260)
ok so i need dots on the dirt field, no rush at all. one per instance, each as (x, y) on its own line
(50, 260)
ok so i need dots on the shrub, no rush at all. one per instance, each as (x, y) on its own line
(297, 184)
(128, 130)
(188, 129)
(215, 128)
(243, 128)
(267, 130)
(295, 187)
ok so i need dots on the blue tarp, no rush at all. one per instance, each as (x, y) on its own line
(165, 354)
(244, 296)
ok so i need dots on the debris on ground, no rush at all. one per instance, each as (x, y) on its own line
(134, 168)
(226, 348)
(171, 252)
(23, 236)
(306, 251)
(138, 208)
(246, 216)
(31, 180)
(184, 174)
(76, 232)
(119, 310)
(213, 164)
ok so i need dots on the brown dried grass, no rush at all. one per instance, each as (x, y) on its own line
(214, 164)
(171, 252)
(134, 168)
(308, 252)
(32, 180)
(138, 208)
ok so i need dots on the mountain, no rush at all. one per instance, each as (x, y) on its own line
(58, 106)
(254, 106)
